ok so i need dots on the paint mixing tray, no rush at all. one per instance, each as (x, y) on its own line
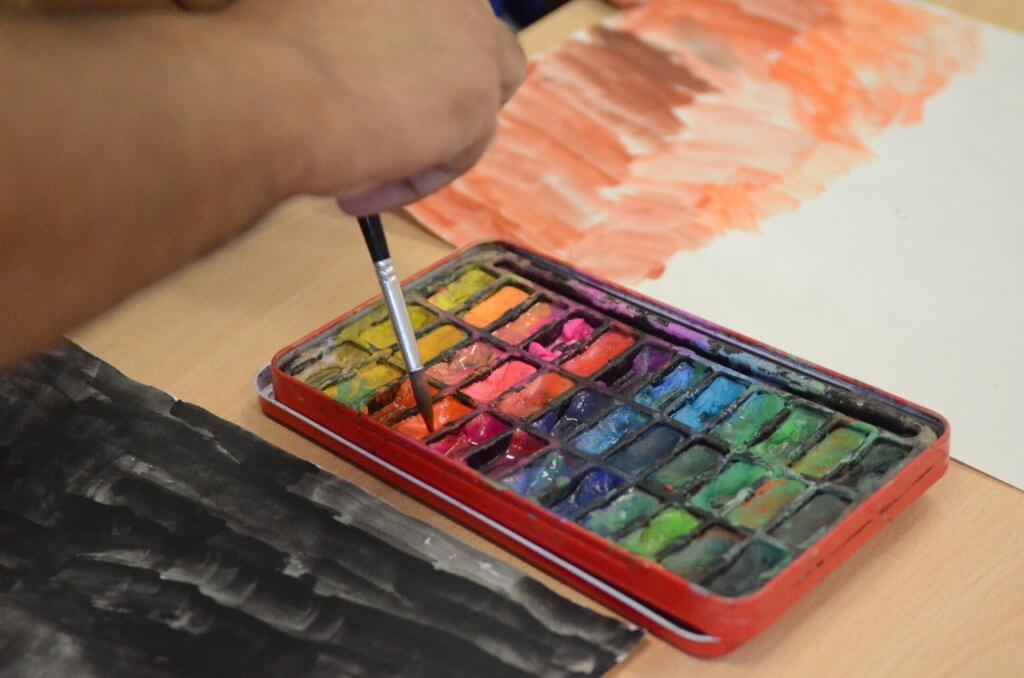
(691, 479)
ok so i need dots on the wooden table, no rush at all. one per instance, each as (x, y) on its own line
(939, 592)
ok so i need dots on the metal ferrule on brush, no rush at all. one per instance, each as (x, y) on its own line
(395, 302)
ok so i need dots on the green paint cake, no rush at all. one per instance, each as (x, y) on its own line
(724, 487)
(703, 555)
(745, 423)
(800, 425)
(628, 508)
(663, 530)
(762, 506)
(821, 459)
(687, 467)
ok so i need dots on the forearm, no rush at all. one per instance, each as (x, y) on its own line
(127, 147)
(131, 144)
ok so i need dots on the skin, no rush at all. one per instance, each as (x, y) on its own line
(133, 142)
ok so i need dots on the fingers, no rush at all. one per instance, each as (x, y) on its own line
(512, 66)
(512, 61)
(400, 193)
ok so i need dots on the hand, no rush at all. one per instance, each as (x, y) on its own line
(133, 142)
(400, 96)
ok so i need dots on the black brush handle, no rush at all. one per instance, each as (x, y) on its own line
(373, 233)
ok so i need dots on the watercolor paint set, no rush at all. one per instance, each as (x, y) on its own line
(691, 479)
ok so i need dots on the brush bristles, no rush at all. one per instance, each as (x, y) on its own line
(421, 392)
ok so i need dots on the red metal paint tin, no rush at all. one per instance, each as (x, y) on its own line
(871, 455)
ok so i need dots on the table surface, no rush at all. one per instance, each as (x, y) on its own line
(938, 592)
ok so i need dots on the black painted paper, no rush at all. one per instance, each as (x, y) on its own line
(143, 536)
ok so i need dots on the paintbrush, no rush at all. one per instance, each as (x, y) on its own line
(373, 232)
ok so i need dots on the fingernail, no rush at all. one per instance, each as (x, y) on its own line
(381, 199)
(398, 194)
(431, 180)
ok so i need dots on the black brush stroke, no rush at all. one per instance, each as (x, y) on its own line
(142, 536)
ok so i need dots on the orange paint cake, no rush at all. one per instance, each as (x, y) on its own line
(495, 306)
(446, 411)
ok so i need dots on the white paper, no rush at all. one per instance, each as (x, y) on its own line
(907, 273)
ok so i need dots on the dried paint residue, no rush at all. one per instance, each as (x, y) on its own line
(682, 120)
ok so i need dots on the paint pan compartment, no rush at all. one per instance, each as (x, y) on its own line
(685, 476)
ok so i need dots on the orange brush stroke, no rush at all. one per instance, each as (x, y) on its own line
(685, 119)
